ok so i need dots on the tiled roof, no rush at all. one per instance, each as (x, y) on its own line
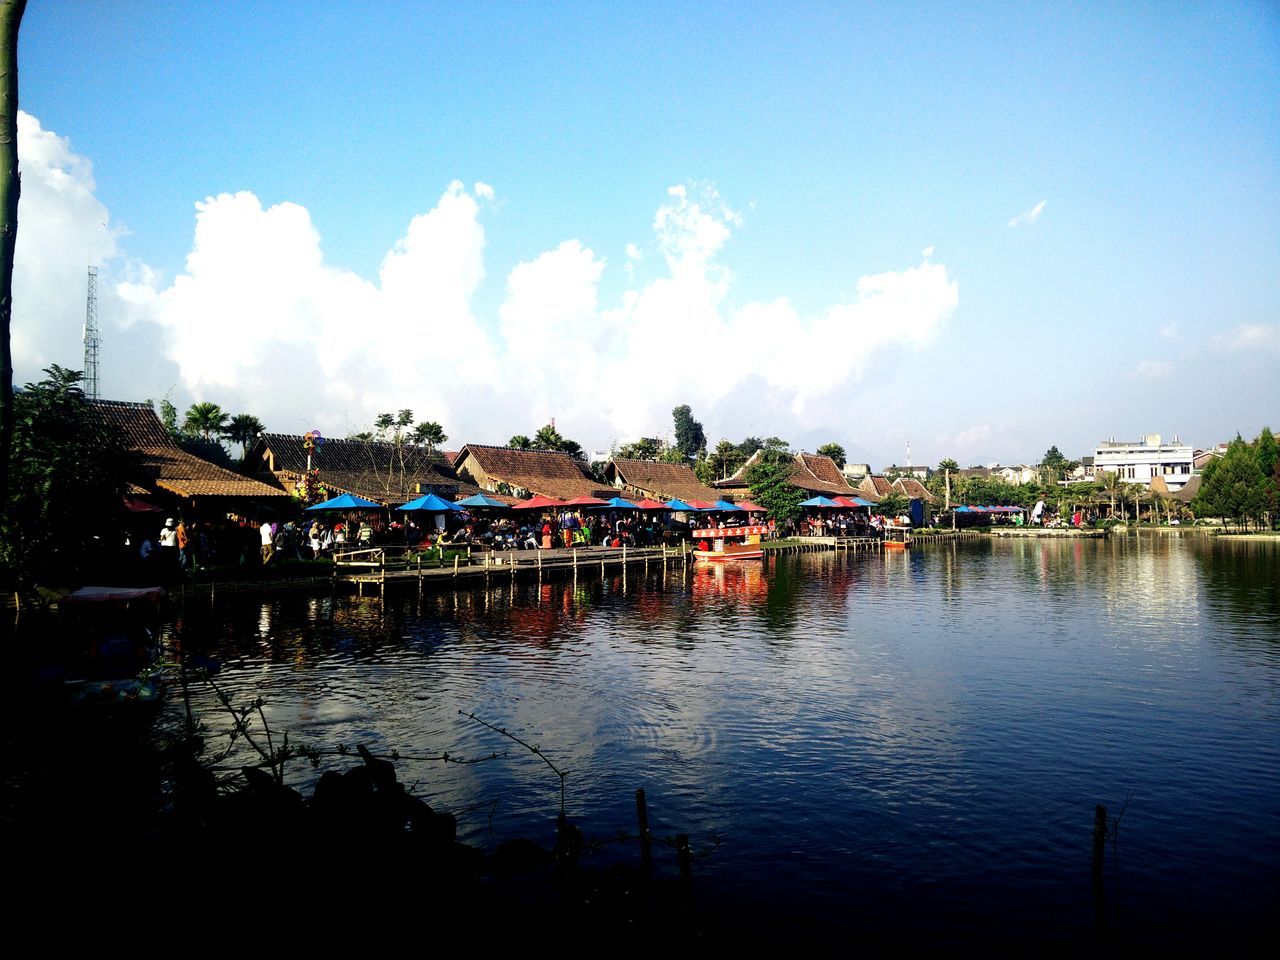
(913, 489)
(812, 472)
(368, 468)
(663, 479)
(163, 465)
(546, 472)
(878, 486)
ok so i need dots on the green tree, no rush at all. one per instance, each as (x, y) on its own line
(946, 463)
(770, 481)
(520, 442)
(68, 476)
(720, 463)
(643, 449)
(1055, 465)
(429, 434)
(835, 452)
(243, 429)
(892, 504)
(205, 420)
(10, 186)
(1111, 484)
(549, 438)
(1233, 486)
(690, 437)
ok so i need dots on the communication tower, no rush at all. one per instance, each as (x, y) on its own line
(91, 339)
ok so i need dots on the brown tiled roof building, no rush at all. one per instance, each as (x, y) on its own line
(165, 467)
(813, 473)
(547, 473)
(659, 481)
(371, 469)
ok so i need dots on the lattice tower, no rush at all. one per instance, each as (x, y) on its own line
(91, 338)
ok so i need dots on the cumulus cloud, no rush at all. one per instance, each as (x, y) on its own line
(1154, 370)
(1251, 337)
(257, 321)
(1028, 216)
(966, 446)
(62, 229)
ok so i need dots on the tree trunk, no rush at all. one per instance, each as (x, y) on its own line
(10, 185)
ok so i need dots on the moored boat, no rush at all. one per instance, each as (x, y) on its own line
(897, 537)
(729, 543)
(111, 641)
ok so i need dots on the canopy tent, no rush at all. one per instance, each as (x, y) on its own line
(819, 502)
(724, 506)
(347, 501)
(701, 505)
(750, 507)
(430, 503)
(617, 503)
(972, 509)
(677, 504)
(648, 504)
(538, 503)
(480, 500)
(585, 502)
(852, 502)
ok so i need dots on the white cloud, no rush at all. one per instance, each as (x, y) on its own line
(1171, 331)
(1154, 370)
(258, 322)
(1028, 216)
(1251, 337)
(966, 446)
(62, 229)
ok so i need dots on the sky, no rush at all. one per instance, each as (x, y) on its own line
(979, 230)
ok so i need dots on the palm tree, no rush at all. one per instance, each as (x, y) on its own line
(243, 429)
(1111, 485)
(430, 434)
(520, 442)
(205, 419)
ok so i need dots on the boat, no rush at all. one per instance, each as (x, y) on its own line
(729, 543)
(897, 537)
(111, 644)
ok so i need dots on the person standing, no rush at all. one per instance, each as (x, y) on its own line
(169, 547)
(268, 541)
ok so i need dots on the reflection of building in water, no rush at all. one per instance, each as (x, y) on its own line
(746, 580)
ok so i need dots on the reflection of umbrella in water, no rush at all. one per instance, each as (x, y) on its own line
(347, 501)
(430, 503)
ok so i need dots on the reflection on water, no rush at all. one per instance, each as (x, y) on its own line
(918, 737)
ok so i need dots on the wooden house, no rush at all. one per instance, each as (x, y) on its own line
(657, 481)
(384, 472)
(548, 473)
(168, 474)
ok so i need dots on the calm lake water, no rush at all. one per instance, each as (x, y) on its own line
(908, 746)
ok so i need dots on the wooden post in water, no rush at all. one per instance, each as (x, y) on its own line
(1099, 861)
(685, 857)
(511, 559)
(646, 851)
(455, 565)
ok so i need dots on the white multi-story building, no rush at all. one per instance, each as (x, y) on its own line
(1137, 461)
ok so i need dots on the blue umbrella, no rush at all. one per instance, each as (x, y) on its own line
(674, 504)
(723, 505)
(617, 503)
(480, 500)
(430, 503)
(819, 502)
(347, 501)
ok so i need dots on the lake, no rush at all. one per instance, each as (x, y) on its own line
(906, 746)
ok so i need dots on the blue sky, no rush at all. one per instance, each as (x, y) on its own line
(1097, 187)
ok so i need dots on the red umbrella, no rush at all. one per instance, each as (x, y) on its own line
(537, 503)
(700, 504)
(750, 507)
(647, 504)
(134, 505)
(585, 502)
